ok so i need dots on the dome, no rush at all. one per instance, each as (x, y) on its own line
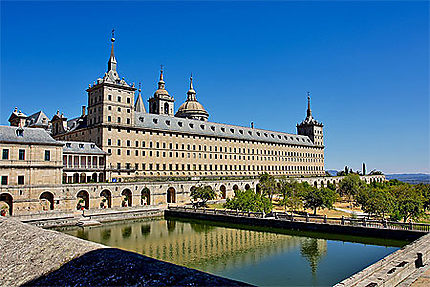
(192, 109)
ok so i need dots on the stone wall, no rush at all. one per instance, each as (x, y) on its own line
(26, 200)
(37, 257)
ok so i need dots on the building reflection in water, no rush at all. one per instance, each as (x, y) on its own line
(200, 245)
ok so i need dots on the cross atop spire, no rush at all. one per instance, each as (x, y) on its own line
(191, 82)
(161, 83)
(112, 61)
(309, 112)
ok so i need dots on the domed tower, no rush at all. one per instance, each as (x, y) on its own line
(311, 127)
(161, 103)
(192, 109)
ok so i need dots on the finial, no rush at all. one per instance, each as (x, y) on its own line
(113, 36)
(309, 97)
(191, 82)
(16, 109)
(139, 88)
(161, 73)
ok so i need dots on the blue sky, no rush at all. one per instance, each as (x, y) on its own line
(366, 65)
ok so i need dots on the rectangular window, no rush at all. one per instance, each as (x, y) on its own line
(4, 180)
(47, 155)
(118, 165)
(20, 179)
(21, 154)
(5, 154)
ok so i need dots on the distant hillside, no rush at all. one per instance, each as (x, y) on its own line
(413, 178)
(332, 172)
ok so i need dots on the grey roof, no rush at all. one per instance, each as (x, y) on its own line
(188, 126)
(37, 119)
(9, 134)
(81, 147)
(77, 123)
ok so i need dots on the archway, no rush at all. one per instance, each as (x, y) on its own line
(247, 187)
(83, 178)
(101, 177)
(166, 108)
(83, 200)
(258, 188)
(94, 177)
(106, 199)
(75, 177)
(171, 195)
(47, 200)
(6, 203)
(145, 196)
(235, 187)
(315, 184)
(322, 183)
(127, 198)
(223, 192)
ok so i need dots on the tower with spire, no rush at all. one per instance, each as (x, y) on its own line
(111, 98)
(161, 102)
(192, 109)
(311, 127)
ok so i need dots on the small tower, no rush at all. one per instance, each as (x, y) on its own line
(161, 103)
(311, 127)
(192, 109)
(17, 118)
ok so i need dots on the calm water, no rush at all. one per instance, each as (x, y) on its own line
(259, 256)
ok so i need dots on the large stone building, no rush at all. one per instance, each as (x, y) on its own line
(162, 143)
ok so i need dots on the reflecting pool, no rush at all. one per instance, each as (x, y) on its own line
(259, 256)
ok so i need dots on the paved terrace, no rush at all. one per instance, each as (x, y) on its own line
(32, 256)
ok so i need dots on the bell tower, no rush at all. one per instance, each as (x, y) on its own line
(111, 99)
(311, 127)
(161, 103)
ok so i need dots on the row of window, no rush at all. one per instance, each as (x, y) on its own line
(230, 149)
(21, 154)
(202, 137)
(210, 167)
(5, 180)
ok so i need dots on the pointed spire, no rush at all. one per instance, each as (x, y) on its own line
(191, 93)
(161, 83)
(112, 61)
(309, 112)
(139, 106)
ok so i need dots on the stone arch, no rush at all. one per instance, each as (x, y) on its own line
(145, 196)
(106, 196)
(315, 183)
(322, 183)
(247, 186)
(94, 177)
(83, 200)
(83, 177)
(258, 188)
(171, 195)
(47, 200)
(235, 187)
(6, 202)
(127, 200)
(223, 190)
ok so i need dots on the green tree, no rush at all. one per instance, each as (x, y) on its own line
(409, 203)
(203, 194)
(248, 200)
(350, 186)
(316, 198)
(290, 191)
(377, 201)
(268, 185)
(424, 190)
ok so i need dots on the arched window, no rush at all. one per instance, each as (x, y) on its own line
(166, 108)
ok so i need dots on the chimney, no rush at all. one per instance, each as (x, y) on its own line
(252, 125)
(83, 111)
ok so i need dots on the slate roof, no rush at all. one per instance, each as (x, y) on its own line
(174, 124)
(81, 147)
(77, 123)
(37, 119)
(9, 134)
